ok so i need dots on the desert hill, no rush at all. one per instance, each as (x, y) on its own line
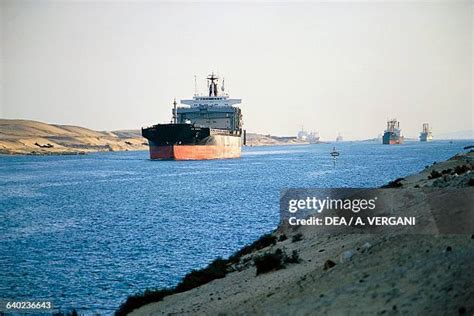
(32, 137)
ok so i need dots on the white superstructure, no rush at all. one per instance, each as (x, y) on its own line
(215, 110)
(214, 98)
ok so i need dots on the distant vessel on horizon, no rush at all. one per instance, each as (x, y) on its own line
(311, 137)
(339, 137)
(392, 134)
(302, 134)
(426, 135)
(209, 127)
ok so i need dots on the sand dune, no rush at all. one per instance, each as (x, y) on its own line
(32, 137)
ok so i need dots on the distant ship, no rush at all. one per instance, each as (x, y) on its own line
(313, 138)
(339, 138)
(392, 134)
(209, 127)
(304, 136)
(425, 135)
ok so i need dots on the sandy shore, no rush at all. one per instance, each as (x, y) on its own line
(348, 274)
(36, 138)
(269, 140)
(24, 137)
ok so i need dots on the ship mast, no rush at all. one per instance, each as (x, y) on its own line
(195, 87)
(175, 116)
(212, 85)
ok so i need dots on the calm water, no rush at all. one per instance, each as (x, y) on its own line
(87, 231)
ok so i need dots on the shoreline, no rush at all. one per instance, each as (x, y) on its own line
(76, 153)
(6, 152)
(382, 273)
(26, 137)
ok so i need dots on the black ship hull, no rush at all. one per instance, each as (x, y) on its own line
(189, 142)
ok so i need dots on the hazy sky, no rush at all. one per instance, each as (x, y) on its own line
(343, 66)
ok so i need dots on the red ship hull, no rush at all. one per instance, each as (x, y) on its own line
(395, 142)
(391, 138)
(194, 152)
(189, 142)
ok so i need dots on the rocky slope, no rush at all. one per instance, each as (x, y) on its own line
(342, 274)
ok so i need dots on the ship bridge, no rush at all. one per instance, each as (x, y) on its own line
(220, 101)
(215, 110)
(215, 98)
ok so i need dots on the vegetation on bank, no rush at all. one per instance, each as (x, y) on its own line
(264, 263)
(216, 270)
(272, 261)
(397, 183)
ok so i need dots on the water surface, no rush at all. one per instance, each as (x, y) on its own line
(87, 231)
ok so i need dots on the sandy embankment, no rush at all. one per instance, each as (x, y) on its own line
(373, 274)
(269, 140)
(31, 137)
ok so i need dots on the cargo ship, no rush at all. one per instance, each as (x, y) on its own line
(426, 135)
(302, 135)
(313, 138)
(206, 127)
(392, 134)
